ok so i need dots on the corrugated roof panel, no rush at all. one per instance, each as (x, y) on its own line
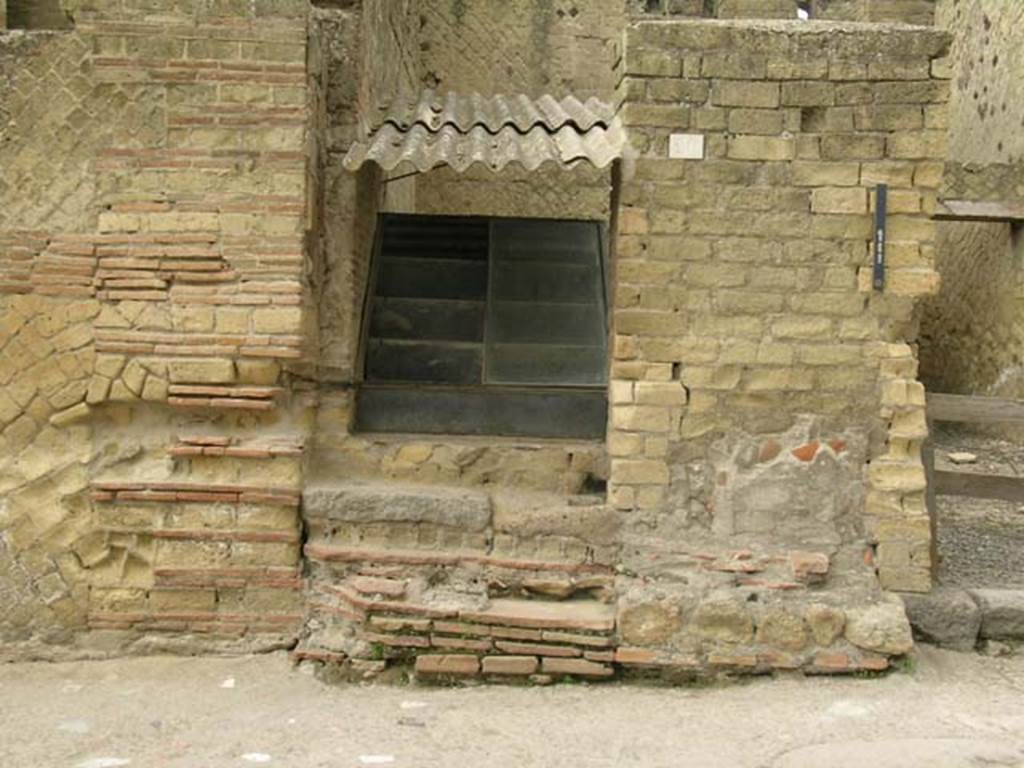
(458, 131)
(435, 110)
(424, 149)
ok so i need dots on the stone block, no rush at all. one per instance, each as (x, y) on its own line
(812, 93)
(757, 121)
(723, 620)
(639, 472)
(761, 148)
(648, 623)
(818, 174)
(921, 145)
(1002, 613)
(575, 667)
(510, 665)
(852, 146)
(201, 371)
(182, 600)
(636, 418)
(781, 628)
(741, 93)
(825, 622)
(947, 617)
(447, 664)
(379, 503)
(882, 627)
(839, 200)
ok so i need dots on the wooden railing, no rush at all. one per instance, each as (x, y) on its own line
(970, 409)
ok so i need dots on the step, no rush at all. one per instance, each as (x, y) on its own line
(390, 503)
(325, 552)
(587, 615)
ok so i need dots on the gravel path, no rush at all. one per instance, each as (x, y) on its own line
(981, 542)
(953, 710)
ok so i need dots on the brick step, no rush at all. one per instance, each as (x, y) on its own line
(470, 615)
(323, 551)
(501, 637)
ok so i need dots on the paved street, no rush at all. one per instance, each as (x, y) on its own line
(952, 710)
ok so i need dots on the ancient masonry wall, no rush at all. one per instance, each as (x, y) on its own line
(355, 72)
(529, 47)
(743, 301)
(153, 210)
(972, 334)
(906, 11)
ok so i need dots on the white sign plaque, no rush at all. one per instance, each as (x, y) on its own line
(686, 146)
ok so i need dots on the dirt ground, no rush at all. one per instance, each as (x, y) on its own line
(981, 541)
(951, 710)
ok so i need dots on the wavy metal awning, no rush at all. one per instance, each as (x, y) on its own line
(461, 130)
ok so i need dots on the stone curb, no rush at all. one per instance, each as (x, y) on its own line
(959, 618)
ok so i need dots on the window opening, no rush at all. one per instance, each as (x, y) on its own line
(511, 313)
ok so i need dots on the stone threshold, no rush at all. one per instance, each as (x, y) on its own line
(962, 618)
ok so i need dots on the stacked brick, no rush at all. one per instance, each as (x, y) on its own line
(743, 291)
(499, 638)
(218, 559)
(399, 610)
(198, 243)
(152, 252)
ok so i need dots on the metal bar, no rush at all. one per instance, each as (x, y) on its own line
(881, 205)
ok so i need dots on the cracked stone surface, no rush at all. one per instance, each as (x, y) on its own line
(951, 710)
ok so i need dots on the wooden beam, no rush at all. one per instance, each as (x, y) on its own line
(978, 485)
(979, 410)
(978, 210)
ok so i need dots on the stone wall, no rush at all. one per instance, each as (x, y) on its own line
(154, 209)
(722, 9)
(533, 47)
(181, 287)
(36, 14)
(906, 11)
(758, 382)
(972, 332)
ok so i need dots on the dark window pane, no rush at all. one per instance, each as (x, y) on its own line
(437, 319)
(426, 361)
(546, 311)
(526, 412)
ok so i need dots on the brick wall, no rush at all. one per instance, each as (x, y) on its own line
(750, 352)
(152, 252)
